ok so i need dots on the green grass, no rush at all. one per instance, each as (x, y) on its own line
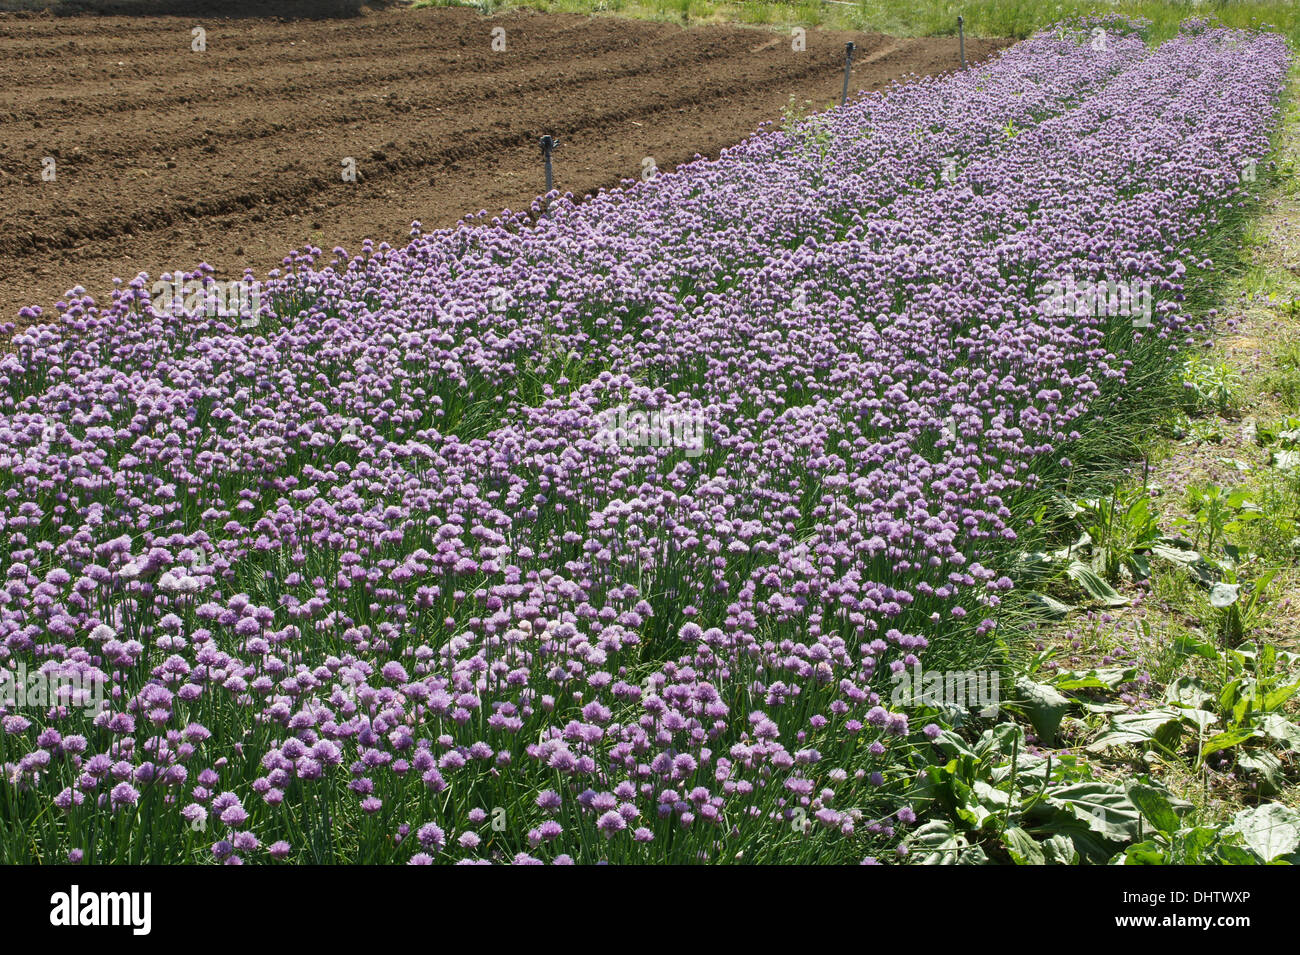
(983, 18)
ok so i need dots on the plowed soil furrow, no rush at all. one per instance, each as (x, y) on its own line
(485, 77)
(189, 77)
(233, 156)
(243, 120)
(484, 128)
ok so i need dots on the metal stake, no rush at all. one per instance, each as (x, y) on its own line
(961, 39)
(848, 68)
(548, 144)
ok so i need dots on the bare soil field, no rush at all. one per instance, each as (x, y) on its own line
(164, 156)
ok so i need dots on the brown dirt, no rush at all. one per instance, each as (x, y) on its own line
(166, 157)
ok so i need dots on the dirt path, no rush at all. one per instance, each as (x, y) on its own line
(164, 156)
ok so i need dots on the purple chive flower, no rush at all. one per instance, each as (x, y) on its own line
(610, 823)
(431, 836)
(234, 816)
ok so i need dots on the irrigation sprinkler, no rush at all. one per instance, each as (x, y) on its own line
(961, 39)
(848, 68)
(548, 146)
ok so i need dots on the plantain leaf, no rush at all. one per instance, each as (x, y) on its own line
(1044, 706)
(1282, 731)
(1049, 606)
(1108, 678)
(1022, 847)
(1059, 850)
(1264, 765)
(1154, 726)
(1224, 595)
(1094, 586)
(1104, 807)
(1271, 831)
(1228, 739)
(937, 843)
(1155, 806)
(1188, 691)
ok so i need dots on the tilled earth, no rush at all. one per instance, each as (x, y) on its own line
(165, 157)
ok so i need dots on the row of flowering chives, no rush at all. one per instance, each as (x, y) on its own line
(281, 566)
